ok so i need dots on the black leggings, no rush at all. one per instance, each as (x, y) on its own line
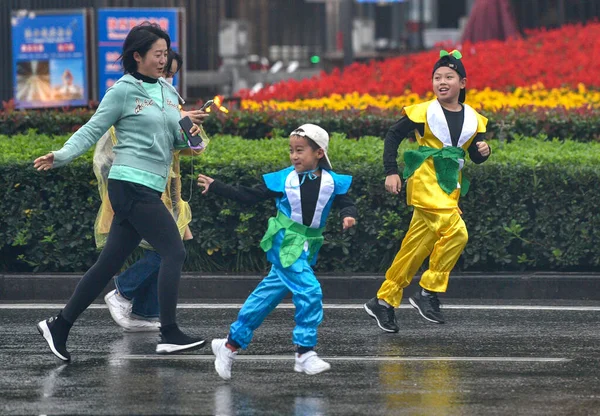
(147, 218)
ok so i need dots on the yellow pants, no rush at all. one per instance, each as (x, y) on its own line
(439, 233)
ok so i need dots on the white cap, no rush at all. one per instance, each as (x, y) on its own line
(319, 136)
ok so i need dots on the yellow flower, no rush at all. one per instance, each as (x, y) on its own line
(536, 95)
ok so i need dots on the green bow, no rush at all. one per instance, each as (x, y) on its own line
(454, 53)
(445, 161)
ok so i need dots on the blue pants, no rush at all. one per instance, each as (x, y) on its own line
(139, 284)
(306, 295)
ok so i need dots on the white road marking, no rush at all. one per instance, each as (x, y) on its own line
(327, 306)
(337, 358)
(346, 358)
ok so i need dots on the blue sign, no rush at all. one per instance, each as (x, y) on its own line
(49, 58)
(113, 27)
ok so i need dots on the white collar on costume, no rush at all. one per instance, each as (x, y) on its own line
(439, 125)
(292, 191)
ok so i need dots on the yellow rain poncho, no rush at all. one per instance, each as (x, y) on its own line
(103, 160)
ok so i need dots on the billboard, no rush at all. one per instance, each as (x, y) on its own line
(113, 27)
(49, 58)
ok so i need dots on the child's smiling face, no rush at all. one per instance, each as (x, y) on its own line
(303, 156)
(447, 85)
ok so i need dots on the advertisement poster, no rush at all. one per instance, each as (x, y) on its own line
(49, 58)
(113, 27)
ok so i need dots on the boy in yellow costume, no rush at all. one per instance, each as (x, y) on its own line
(445, 129)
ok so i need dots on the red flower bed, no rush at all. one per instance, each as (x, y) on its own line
(560, 57)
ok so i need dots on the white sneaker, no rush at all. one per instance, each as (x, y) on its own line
(223, 357)
(310, 363)
(141, 325)
(119, 307)
(120, 310)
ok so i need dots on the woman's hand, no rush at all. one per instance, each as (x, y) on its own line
(197, 116)
(195, 130)
(205, 181)
(45, 162)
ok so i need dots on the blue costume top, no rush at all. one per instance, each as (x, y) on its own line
(287, 239)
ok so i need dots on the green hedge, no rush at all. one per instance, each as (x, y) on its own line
(578, 124)
(532, 206)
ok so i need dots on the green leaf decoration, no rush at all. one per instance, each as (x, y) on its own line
(444, 53)
(267, 241)
(314, 245)
(464, 186)
(291, 248)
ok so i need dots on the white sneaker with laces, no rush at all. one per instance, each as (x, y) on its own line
(120, 310)
(118, 306)
(223, 358)
(310, 363)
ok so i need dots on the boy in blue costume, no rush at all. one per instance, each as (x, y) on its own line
(304, 193)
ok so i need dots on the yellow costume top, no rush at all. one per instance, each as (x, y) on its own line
(103, 159)
(423, 189)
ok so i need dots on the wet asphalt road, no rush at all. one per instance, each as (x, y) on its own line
(491, 361)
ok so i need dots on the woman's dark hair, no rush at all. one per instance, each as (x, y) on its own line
(140, 39)
(173, 56)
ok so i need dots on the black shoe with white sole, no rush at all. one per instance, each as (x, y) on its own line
(55, 337)
(428, 306)
(172, 340)
(383, 315)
